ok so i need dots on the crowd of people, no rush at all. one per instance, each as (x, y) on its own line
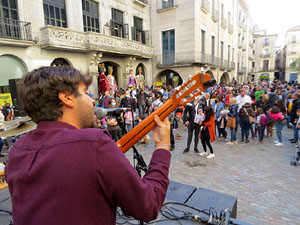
(217, 114)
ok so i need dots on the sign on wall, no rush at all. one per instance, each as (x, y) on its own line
(5, 98)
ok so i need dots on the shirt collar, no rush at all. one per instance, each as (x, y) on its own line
(55, 124)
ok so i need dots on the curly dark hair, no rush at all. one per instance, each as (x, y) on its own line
(39, 90)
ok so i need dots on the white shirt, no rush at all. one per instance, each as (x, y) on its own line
(243, 100)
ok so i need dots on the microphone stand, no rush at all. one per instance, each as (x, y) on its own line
(141, 165)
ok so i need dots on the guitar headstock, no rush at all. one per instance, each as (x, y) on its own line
(192, 88)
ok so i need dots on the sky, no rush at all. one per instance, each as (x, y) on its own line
(275, 16)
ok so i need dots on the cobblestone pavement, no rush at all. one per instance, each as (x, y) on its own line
(260, 176)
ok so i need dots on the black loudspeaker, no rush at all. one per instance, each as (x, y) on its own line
(17, 103)
(179, 192)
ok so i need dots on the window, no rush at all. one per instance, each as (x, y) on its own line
(222, 50)
(167, 3)
(222, 11)
(266, 42)
(202, 41)
(9, 9)
(266, 52)
(293, 49)
(168, 46)
(253, 64)
(213, 45)
(266, 65)
(293, 39)
(55, 13)
(116, 24)
(253, 52)
(228, 52)
(253, 41)
(232, 54)
(137, 30)
(90, 16)
(229, 18)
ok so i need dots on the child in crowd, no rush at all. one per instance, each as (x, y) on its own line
(223, 121)
(261, 123)
(199, 118)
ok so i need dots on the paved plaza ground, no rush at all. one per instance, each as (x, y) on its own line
(260, 176)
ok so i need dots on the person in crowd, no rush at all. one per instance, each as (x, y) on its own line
(208, 133)
(1, 140)
(218, 106)
(141, 101)
(157, 103)
(65, 127)
(245, 112)
(259, 92)
(293, 114)
(222, 120)
(278, 118)
(190, 111)
(261, 122)
(112, 123)
(233, 113)
(242, 99)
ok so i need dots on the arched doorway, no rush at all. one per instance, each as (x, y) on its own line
(224, 78)
(12, 67)
(60, 62)
(143, 69)
(116, 70)
(210, 73)
(168, 77)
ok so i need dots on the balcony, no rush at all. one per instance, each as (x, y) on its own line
(242, 70)
(215, 15)
(15, 32)
(164, 5)
(230, 28)
(266, 55)
(205, 6)
(292, 52)
(244, 27)
(224, 23)
(142, 3)
(59, 38)
(264, 69)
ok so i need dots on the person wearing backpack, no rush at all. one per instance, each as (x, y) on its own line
(261, 123)
(277, 117)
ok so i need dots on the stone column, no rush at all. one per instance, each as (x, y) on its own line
(94, 59)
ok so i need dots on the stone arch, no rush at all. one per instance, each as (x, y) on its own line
(12, 67)
(61, 62)
(211, 74)
(169, 77)
(143, 69)
(225, 78)
(117, 73)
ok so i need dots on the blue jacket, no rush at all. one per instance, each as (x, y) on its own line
(218, 109)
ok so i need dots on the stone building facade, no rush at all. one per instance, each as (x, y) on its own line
(264, 53)
(292, 52)
(210, 34)
(81, 33)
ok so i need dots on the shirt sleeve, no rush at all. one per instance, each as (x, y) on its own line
(141, 198)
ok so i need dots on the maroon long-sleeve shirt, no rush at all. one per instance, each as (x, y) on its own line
(60, 175)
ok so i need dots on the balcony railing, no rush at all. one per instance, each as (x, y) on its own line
(224, 23)
(15, 29)
(292, 53)
(63, 38)
(230, 28)
(242, 70)
(162, 4)
(205, 6)
(264, 69)
(215, 15)
(266, 55)
(141, 2)
(184, 58)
